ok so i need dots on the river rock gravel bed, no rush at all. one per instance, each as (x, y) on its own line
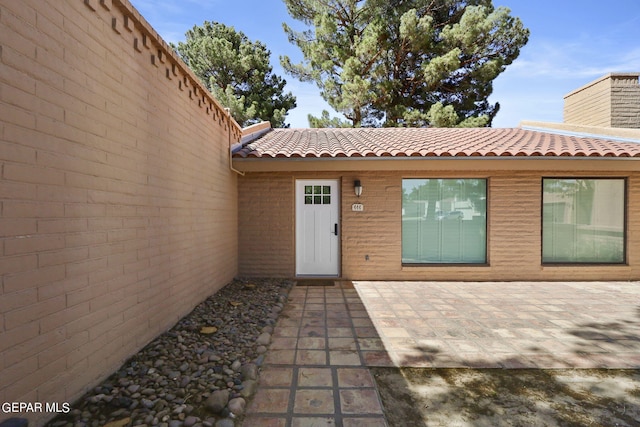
(200, 373)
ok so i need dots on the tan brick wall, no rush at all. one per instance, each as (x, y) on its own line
(118, 211)
(590, 105)
(611, 101)
(514, 228)
(265, 226)
(625, 108)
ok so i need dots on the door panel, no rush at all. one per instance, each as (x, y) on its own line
(317, 228)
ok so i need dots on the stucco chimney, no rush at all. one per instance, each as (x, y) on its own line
(610, 101)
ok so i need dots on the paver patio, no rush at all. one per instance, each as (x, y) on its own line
(316, 370)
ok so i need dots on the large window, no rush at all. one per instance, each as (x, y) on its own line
(583, 220)
(444, 221)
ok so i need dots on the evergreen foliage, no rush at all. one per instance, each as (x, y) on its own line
(405, 62)
(237, 72)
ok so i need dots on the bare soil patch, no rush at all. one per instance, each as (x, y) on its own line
(415, 397)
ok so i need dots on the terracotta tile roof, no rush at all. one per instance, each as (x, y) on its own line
(431, 142)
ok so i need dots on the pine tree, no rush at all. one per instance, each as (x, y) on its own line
(237, 72)
(405, 62)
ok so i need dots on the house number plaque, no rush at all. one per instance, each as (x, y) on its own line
(357, 207)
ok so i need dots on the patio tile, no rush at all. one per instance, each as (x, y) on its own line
(283, 343)
(269, 400)
(313, 422)
(504, 333)
(465, 346)
(364, 422)
(412, 359)
(362, 322)
(313, 322)
(354, 377)
(517, 361)
(276, 377)
(339, 332)
(313, 314)
(338, 323)
(366, 332)
(360, 401)
(288, 321)
(311, 357)
(495, 346)
(312, 331)
(252, 421)
(312, 343)
(280, 357)
(315, 377)
(336, 305)
(344, 357)
(314, 401)
(286, 332)
(371, 344)
(342, 344)
(343, 332)
(377, 358)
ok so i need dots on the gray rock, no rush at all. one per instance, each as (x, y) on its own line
(249, 388)
(185, 381)
(227, 422)
(237, 405)
(217, 401)
(182, 368)
(147, 403)
(190, 421)
(264, 339)
(249, 371)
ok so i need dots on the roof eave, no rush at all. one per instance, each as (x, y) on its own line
(551, 163)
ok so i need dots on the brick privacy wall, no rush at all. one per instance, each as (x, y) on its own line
(611, 101)
(514, 229)
(118, 211)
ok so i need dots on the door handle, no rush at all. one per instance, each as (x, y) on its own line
(335, 229)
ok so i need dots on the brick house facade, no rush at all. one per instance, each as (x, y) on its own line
(514, 164)
(120, 208)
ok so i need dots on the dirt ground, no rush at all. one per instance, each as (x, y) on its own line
(509, 397)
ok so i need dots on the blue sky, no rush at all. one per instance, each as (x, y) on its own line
(572, 42)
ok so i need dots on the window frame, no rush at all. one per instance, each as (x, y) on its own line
(625, 231)
(486, 227)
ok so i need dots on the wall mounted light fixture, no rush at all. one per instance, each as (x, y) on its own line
(357, 187)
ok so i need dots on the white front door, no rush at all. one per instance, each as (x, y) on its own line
(317, 228)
